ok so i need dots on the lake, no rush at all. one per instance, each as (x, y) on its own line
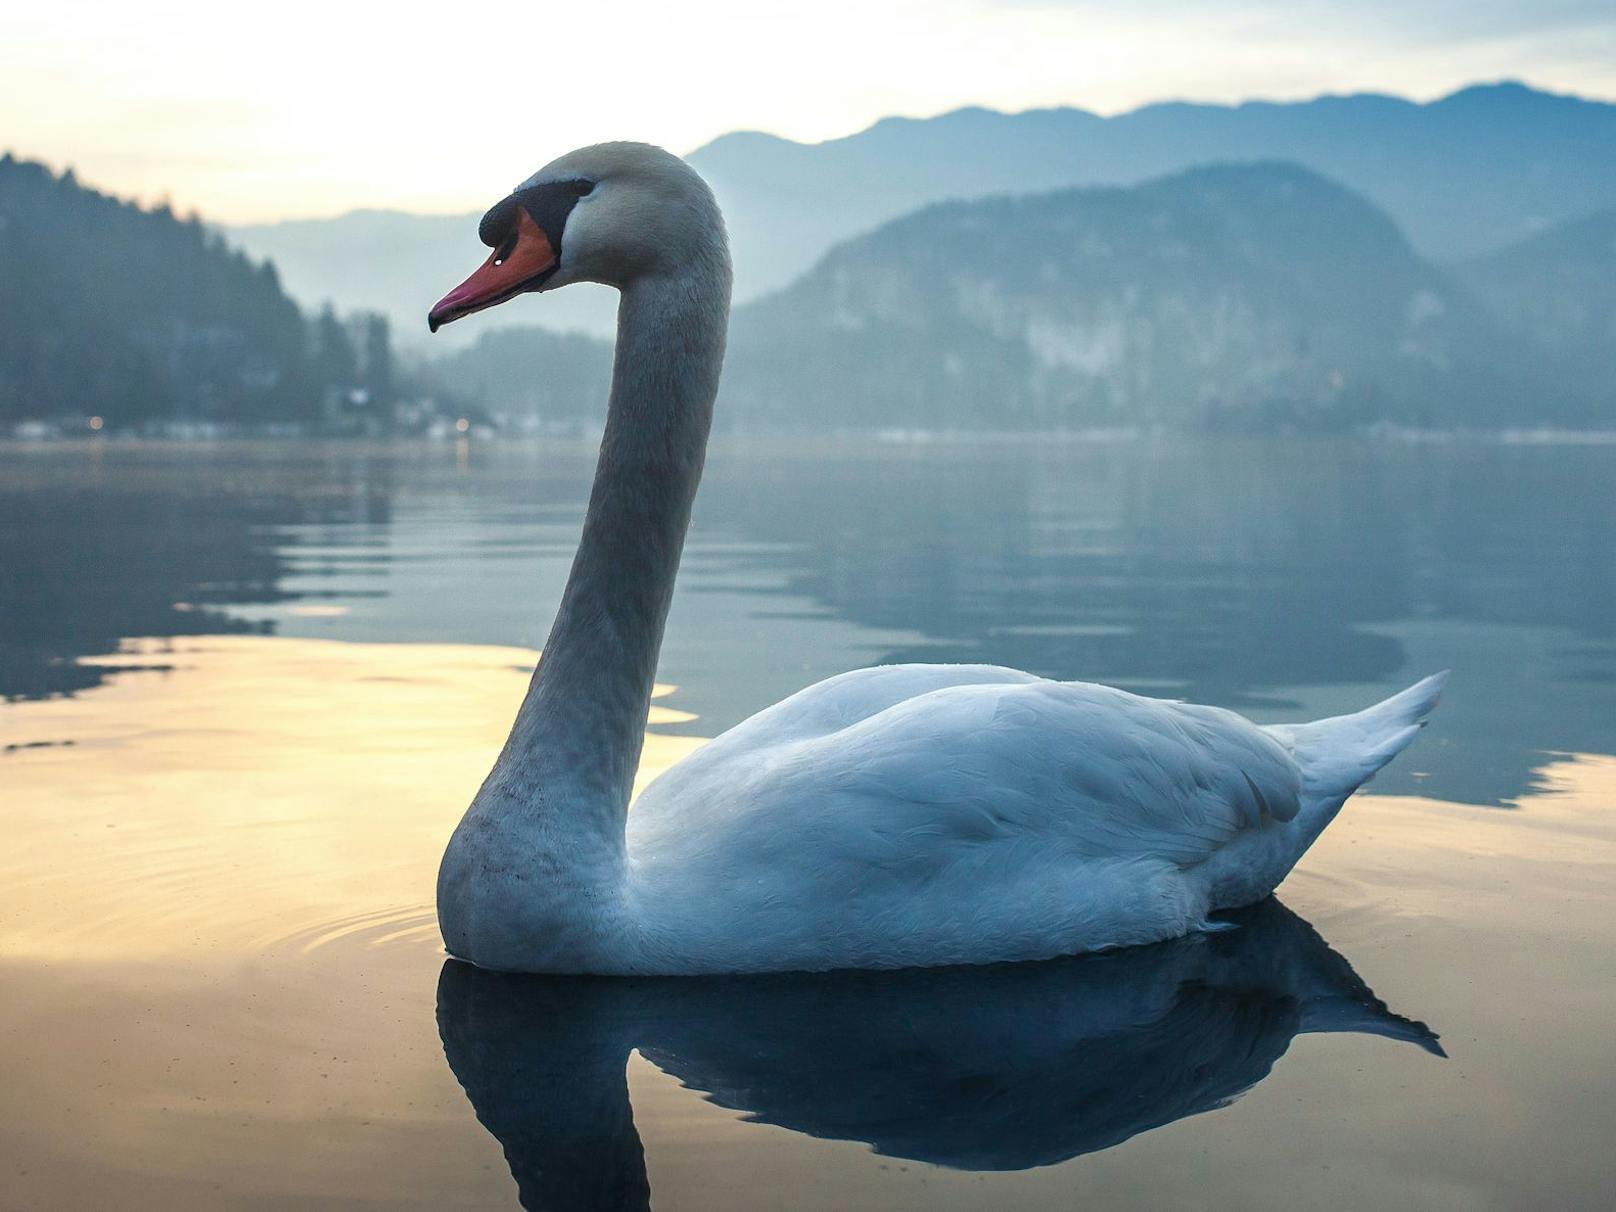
(250, 687)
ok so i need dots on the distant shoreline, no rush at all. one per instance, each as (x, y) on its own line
(60, 438)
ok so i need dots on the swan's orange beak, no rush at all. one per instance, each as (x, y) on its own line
(520, 263)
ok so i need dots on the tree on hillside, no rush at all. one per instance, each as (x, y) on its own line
(378, 376)
(335, 360)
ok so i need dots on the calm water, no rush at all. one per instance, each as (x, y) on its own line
(249, 689)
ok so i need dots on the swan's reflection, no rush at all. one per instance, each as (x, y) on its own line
(997, 1068)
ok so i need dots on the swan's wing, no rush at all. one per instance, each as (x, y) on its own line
(816, 711)
(972, 768)
(1096, 771)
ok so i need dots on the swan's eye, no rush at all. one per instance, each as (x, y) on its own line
(505, 249)
(581, 188)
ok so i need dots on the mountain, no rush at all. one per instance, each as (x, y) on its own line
(1240, 296)
(131, 314)
(1462, 175)
(1469, 172)
(1558, 291)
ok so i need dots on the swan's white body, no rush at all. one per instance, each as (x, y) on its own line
(899, 816)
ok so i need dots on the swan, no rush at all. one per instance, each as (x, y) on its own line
(892, 817)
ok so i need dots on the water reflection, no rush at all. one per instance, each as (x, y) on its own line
(999, 1068)
(1238, 573)
(1226, 567)
(1284, 577)
(156, 540)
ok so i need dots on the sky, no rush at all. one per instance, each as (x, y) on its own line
(258, 112)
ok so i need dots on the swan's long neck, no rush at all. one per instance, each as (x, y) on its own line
(577, 739)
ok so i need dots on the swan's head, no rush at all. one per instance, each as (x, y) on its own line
(610, 213)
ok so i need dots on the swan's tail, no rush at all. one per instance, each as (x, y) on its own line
(1367, 1017)
(1341, 754)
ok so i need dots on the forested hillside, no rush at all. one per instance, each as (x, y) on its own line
(1240, 297)
(135, 315)
(553, 379)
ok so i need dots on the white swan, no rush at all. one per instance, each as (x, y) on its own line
(900, 816)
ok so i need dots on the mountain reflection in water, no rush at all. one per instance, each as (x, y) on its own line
(1285, 578)
(997, 1068)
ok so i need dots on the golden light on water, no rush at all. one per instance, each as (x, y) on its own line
(232, 795)
(238, 794)
(217, 944)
